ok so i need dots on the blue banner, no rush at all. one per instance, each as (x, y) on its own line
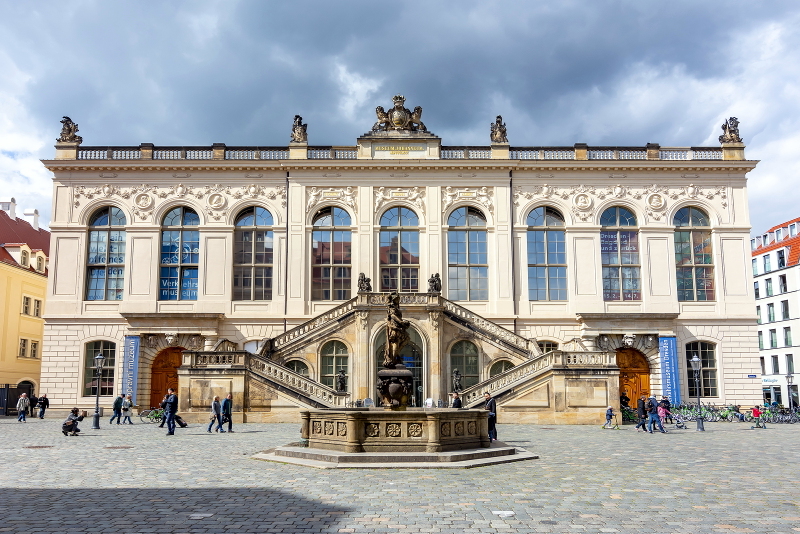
(670, 373)
(130, 366)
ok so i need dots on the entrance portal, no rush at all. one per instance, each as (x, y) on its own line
(634, 374)
(412, 359)
(164, 373)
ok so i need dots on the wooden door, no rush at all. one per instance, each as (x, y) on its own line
(634, 374)
(164, 373)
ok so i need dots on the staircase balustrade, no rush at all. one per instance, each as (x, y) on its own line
(295, 382)
(487, 327)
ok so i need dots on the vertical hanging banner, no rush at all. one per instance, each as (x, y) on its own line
(130, 366)
(670, 374)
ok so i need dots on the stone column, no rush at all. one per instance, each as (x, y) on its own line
(305, 428)
(355, 426)
(434, 437)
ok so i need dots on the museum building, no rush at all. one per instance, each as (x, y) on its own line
(558, 278)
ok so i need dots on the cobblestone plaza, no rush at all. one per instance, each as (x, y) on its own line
(132, 479)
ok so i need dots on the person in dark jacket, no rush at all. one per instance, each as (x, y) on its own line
(641, 413)
(227, 411)
(609, 416)
(44, 404)
(491, 407)
(32, 407)
(70, 425)
(456, 400)
(652, 415)
(170, 410)
(117, 407)
(668, 407)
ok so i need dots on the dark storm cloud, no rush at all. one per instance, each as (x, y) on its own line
(193, 73)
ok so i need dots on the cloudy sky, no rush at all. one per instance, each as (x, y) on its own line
(602, 72)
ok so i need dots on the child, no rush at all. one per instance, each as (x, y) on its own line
(609, 415)
(663, 412)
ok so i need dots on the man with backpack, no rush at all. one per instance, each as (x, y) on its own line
(652, 415)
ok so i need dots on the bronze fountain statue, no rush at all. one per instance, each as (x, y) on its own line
(395, 382)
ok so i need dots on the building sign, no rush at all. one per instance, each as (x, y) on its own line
(400, 150)
(130, 366)
(670, 377)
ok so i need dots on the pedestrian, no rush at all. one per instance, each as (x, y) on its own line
(127, 410)
(44, 404)
(609, 415)
(117, 407)
(756, 413)
(663, 413)
(70, 425)
(22, 407)
(624, 400)
(227, 411)
(652, 416)
(491, 407)
(163, 405)
(456, 400)
(216, 415)
(170, 410)
(32, 407)
(668, 407)
(641, 413)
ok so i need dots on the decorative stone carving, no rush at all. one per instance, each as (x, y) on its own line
(341, 429)
(415, 195)
(730, 131)
(399, 117)
(364, 283)
(396, 332)
(341, 381)
(151, 341)
(459, 428)
(650, 341)
(172, 339)
(328, 428)
(363, 318)
(316, 195)
(372, 430)
(655, 205)
(195, 341)
(472, 428)
(444, 430)
(317, 427)
(482, 195)
(457, 388)
(69, 132)
(434, 316)
(498, 131)
(393, 430)
(582, 201)
(435, 284)
(628, 340)
(180, 191)
(414, 430)
(299, 133)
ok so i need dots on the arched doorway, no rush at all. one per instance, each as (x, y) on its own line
(164, 373)
(412, 359)
(634, 374)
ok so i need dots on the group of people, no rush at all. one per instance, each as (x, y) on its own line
(123, 409)
(27, 405)
(651, 413)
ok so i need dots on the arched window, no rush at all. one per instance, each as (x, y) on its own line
(252, 255)
(547, 258)
(180, 254)
(499, 367)
(619, 248)
(693, 257)
(331, 244)
(464, 356)
(298, 367)
(399, 250)
(467, 257)
(334, 358)
(106, 382)
(547, 346)
(708, 368)
(105, 264)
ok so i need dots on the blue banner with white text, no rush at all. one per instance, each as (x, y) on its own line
(130, 366)
(670, 373)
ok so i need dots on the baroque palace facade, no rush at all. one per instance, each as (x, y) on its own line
(567, 276)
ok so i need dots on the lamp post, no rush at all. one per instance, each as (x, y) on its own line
(98, 371)
(696, 363)
(789, 380)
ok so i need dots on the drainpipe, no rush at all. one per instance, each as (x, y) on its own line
(286, 258)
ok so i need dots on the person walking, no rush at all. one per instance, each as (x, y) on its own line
(117, 407)
(22, 407)
(456, 400)
(668, 407)
(44, 404)
(216, 416)
(70, 425)
(491, 407)
(227, 411)
(32, 406)
(127, 410)
(170, 410)
(641, 413)
(652, 415)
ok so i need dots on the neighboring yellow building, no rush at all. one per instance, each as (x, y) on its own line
(24, 251)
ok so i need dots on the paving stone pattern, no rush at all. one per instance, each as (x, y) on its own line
(729, 479)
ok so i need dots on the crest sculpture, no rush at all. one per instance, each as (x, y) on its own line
(69, 132)
(498, 132)
(299, 134)
(395, 382)
(730, 131)
(399, 117)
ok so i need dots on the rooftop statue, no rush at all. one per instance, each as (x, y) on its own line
(399, 117)
(498, 133)
(69, 132)
(730, 131)
(299, 134)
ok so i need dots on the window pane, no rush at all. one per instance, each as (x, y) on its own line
(242, 283)
(321, 283)
(557, 279)
(536, 248)
(556, 247)
(479, 283)
(457, 283)
(609, 248)
(537, 283)
(96, 281)
(189, 283)
(457, 247)
(169, 282)
(611, 284)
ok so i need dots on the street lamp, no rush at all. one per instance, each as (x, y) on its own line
(695, 361)
(98, 371)
(789, 380)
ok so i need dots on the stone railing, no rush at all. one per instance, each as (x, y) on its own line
(486, 327)
(406, 299)
(286, 378)
(314, 325)
(216, 359)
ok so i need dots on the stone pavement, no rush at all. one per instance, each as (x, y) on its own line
(729, 479)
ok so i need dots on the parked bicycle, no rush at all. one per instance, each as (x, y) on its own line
(153, 415)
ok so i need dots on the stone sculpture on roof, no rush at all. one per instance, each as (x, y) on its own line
(299, 134)
(498, 132)
(730, 131)
(399, 117)
(69, 132)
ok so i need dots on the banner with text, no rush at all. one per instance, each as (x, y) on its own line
(670, 373)
(130, 366)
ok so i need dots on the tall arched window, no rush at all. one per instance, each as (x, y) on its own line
(399, 250)
(334, 359)
(708, 368)
(619, 248)
(180, 254)
(464, 356)
(90, 379)
(467, 256)
(252, 255)
(547, 258)
(693, 257)
(105, 263)
(331, 244)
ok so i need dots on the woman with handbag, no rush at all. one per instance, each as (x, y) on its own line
(127, 410)
(216, 415)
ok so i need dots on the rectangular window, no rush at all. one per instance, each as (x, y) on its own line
(34, 349)
(792, 230)
(787, 337)
(773, 339)
(770, 313)
(781, 259)
(767, 266)
(620, 256)
(755, 267)
(784, 309)
(23, 348)
(763, 369)
(782, 284)
(761, 340)
(789, 364)
(758, 314)
(755, 289)
(768, 287)
(106, 379)
(37, 308)
(26, 305)
(775, 368)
